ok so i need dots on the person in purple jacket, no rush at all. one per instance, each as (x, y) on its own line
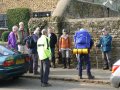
(83, 40)
(12, 40)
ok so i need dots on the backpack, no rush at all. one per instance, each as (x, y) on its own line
(82, 39)
(30, 42)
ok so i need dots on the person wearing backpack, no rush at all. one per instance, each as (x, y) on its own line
(64, 48)
(83, 40)
(31, 43)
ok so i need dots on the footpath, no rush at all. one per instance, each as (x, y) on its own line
(101, 76)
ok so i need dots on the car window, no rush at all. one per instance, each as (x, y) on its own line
(5, 51)
(1, 54)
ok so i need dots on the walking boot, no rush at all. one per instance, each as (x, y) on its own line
(81, 77)
(53, 62)
(64, 66)
(36, 73)
(90, 76)
(69, 63)
(54, 66)
(64, 63)
(105, 68)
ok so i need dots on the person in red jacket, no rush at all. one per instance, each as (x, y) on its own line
(64, 48)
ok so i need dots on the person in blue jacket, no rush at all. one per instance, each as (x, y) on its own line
(83, 40)
(106, 43)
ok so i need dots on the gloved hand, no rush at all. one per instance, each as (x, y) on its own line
(59, 50)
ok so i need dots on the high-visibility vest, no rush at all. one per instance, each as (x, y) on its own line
(43, 47)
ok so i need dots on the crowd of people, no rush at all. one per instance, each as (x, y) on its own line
(40, 45)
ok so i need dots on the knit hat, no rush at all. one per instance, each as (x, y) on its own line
(64, 30)
(104, 29)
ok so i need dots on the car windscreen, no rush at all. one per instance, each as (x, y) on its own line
(1, 54)
(5, 51)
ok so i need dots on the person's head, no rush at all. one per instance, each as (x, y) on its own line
(104, 31)
(29, 31)
(21, 25)
(83, 29)
(15, 29)
(64, 31)
(37, 30)
(44, 32)
(50, 30)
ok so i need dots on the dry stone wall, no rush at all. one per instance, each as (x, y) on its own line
(94, 26)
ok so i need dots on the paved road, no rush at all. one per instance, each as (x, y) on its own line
(34, 84)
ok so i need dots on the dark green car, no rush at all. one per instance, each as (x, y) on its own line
(12, 63)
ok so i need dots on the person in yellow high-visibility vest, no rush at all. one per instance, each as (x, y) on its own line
(44, 53)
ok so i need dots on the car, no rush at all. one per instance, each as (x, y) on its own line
(115, 76)
(12, 63)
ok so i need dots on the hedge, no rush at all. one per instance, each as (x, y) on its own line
(18, 15)
(5, 36)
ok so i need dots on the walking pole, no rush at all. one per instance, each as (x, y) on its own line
(96, 57)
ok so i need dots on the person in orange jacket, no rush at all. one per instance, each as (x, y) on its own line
(64, 48)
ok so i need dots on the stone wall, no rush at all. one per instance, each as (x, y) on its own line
(34, 5)
(79, 9)
(94, 26)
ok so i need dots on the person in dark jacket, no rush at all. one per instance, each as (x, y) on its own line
(105, 44)
(53, 41)
(33, 52)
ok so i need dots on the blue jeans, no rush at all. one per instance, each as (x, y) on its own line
(45, 69)
(84, 58)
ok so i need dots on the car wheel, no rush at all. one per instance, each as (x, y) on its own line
(17, 77)
(116, 86)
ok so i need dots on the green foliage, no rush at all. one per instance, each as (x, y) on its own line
(18, 15)
(37, 22)
(0, 39)
(5, 36)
